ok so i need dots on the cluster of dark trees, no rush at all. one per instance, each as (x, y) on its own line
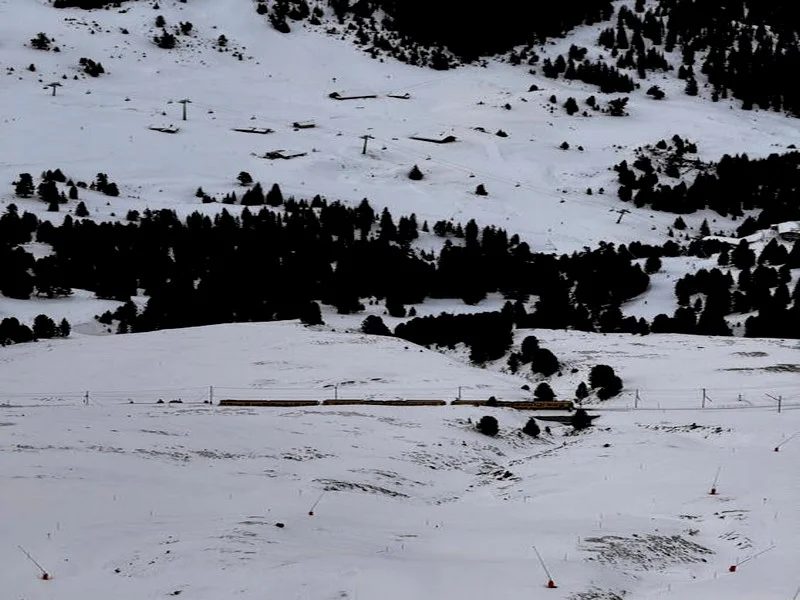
(441, 34)
(762, 286)
(729, 187)
(91, 68)
(743, 47)
(21, 275)
(199, 271)
(489, 335)
(541, 360)
(48, 191)
(14, 332)
(488, 425)
(608, 78)
(749, 46)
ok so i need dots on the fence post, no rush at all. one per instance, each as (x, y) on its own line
(211, 394)
(636, 400)
(86, 398)
(336, 391)
(780, 399)
(459, 392)
(703, 404)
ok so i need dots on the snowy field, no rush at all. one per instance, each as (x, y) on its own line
(139, 500)
(119, 497)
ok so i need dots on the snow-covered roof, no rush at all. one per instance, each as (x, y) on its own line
(788, 227)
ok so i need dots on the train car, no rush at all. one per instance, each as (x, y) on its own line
(344, 402)
(409, 402)
(540, 405)
(269, 403)
(519, 405)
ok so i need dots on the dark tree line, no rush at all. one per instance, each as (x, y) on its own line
(729, 187)
(760, 294)
(745, 48)
(273, 263)
(489, 335)
(608, 78)
(21, 276)
(280, 262)
(749, 48)
(441, 33)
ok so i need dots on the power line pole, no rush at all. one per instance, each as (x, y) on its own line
(779, 400)
(185, 101)
(365, 138)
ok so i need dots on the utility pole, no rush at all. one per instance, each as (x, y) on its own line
(365, 138)
(622, 212)
(779, 400)
(185, 101)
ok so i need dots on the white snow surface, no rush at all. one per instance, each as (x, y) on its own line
(126, 498)
(117, 496)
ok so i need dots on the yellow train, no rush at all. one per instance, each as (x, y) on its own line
(519, 405)
(277, 403)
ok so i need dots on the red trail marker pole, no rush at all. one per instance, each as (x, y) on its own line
(551, 584)
(713, 490)
(313, 506)
(736, 565)
(786, 441)
(45, 575)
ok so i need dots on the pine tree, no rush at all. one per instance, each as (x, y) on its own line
(374, 325)
(64, 328)
(274, 196)
(81, 210)
(311, 314)
(24, 187)
(544, 392)
(488, 426)
(652, 264)
(388, 229)
(43, 327)
(531, 428)
(571, 106)
(581, 419)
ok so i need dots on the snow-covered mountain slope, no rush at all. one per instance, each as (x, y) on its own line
(144, 500)
(535, 188)
(115, 495)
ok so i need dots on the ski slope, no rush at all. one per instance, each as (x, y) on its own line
(126, 497)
